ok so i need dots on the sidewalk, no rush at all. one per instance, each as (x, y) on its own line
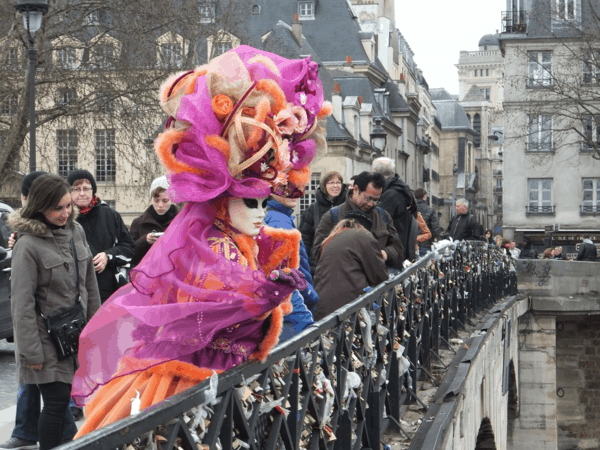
(7, 422)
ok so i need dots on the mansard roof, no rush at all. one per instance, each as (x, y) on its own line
(450, 113)
(474, 94)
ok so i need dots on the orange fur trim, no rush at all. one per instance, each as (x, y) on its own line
(220, 144)
(182, 369)
(299, 177)
(286, 305)
(164, 149)
(262, 109)
(246, 245)
(272, 88)
(272, 337)
(290, 250)
(325, 111)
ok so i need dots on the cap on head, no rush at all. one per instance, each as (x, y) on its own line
(160, 182)
(28, 181)
(361, 217)
(80, 175)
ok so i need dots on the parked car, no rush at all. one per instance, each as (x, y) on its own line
(6, 328)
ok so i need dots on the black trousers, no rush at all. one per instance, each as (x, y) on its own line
(56, 398)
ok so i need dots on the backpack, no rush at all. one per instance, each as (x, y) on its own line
(334, 215)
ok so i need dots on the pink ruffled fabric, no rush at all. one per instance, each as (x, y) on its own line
(168, 312)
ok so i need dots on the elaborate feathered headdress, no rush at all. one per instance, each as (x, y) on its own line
(245, 125)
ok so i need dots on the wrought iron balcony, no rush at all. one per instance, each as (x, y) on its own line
(514, 21)
(342, 381)
(538, 209)
(589, 209)
(497, 188)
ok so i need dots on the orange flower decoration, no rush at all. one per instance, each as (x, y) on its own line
(222, 105)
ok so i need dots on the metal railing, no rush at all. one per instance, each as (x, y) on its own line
(340, 383)
(539, 209)
(589, 209)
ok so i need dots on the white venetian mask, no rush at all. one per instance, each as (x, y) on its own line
(247, 214)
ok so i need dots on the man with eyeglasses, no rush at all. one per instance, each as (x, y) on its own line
(364, 196)
(106, 233)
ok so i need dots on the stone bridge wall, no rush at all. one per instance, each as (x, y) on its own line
(476, 388)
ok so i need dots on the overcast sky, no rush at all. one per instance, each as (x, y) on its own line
(437, 30)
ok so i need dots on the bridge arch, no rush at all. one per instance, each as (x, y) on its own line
(485, 436)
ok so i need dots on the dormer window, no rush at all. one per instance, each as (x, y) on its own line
(66, 58)
(207, 12)
(171, 55)
(104, 56)
(92, 18)
(306, 10)
(221, 47)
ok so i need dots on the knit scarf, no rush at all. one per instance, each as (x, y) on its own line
(87, 209)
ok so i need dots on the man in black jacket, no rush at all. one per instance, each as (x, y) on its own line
(464, 225)
(587, 250)
(430, 217)
(397, 199)
(106, 234)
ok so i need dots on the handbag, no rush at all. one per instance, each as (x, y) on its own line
(66, 326)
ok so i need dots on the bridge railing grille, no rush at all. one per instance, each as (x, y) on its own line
(340, 383)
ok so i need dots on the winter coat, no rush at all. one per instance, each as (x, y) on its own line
(279, 216)
(431, 219)
(587, 251)
(43, 271)
(398, 200)
(528, 252)
(383, 231)
(141, 226)
(464, 227)
(105, 232)
(309, 221)
(350, 262)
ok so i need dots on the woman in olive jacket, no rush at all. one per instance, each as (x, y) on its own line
(44, 275)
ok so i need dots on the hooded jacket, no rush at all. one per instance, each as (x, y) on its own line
(43, 273)
(279, 216)
(398, 200)
(383, 230)
(141, 226)
(430, 216)
(309, 221)
(587, 251)
(105, 232)
(528, 252)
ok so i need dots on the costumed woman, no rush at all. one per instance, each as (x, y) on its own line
(212, 291)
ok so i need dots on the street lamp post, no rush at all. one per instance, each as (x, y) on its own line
(378, 136)
(32, 12)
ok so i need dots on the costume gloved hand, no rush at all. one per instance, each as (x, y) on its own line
(293, 277)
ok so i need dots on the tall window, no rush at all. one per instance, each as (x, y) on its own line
(105, 155)
(171, 55)
(66, 58)
(12, 57)
(540, 69)
(306, 10)
(485, 93)
(540, 133)
(591, 132)
(540, 196)
(591, 67)
(66, 146)
(67, 96)
(475, 72)
(591, 195)
(477, 128)
(487, 72)
(566, 9)
(311, 192)
(104, 56)
(92, 18)
(9, 105)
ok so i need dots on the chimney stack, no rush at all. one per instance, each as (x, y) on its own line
(336, 102)
(297, 30)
